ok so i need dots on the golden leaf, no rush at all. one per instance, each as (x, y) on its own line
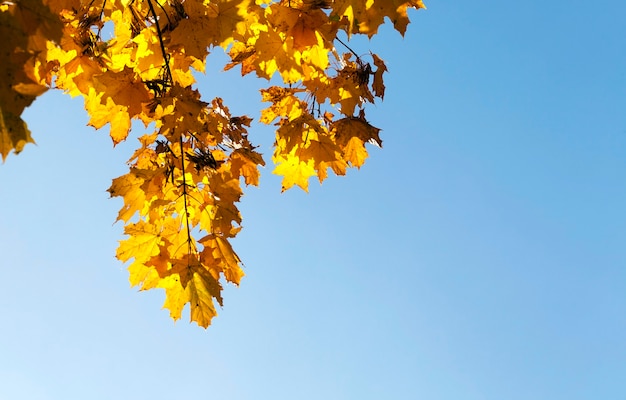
(14, 134)
(123, 87)
(143, 242)
(294, 171)
(203, 288)
(351, 134)
(129, 188)
(366, 16)
(246, 163)
(325, 153)
(347, 128)
(219, 252)
(25, 29)
(284, 104)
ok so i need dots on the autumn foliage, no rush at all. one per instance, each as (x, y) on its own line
(135, 60)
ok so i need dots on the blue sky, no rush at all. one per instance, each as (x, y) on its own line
(479, 255)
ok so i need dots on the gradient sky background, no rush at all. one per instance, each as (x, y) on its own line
(480, 255)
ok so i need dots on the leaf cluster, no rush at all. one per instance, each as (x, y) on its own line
(185, 179)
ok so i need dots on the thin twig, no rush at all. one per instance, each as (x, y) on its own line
(185, 194)
(348, 47)
(166, 57)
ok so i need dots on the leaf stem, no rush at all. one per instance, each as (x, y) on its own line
(348, 47)
(166, 57)
(185, 194)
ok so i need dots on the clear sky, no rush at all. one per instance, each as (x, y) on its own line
(480, 255)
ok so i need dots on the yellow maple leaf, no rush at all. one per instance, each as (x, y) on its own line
(246, 163)
(192, 36)
(142, 243)
(219, 253)
(109, 113)
(325, 154)
(354, 152)
(302, 25)
(176, 295)
(351, 134)
(284, 104)
(202, 290)
(231, 19)
(26, 28)
(349, 89)
(294, 171)
(349, 127)
(142, 275)
(242, 54)
(366, 16)
(14, 134)
(124, 87)
(188, 282)
(147, 56)
(129, 188)
(275, 53)
(76, 75)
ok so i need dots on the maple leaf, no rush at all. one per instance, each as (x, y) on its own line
(189, 283)
(325, 154)
(108, 113)
(366, 16)
(14, 134)
(123, 87)
(294, 171)
(351, 134)
(142, 244)
(381, 68)
(245, 163)
(202, 289)
(75, 74)
(301, 25)
(25, 28)
(347, 128)
(231, 19)
(244, 55)
(274, 54)
(285, 104)
(220, 253)
(192, 36)
(128, 187)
